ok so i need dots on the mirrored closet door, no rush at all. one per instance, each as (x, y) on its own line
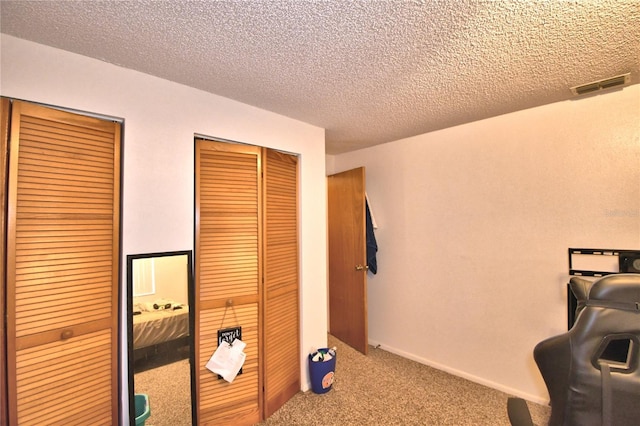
(160, 299)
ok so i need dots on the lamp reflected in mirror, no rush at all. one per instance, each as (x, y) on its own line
(160, 294)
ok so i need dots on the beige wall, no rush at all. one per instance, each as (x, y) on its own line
(160, 120)
(474, 226)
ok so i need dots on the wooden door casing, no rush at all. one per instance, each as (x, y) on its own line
(348, 319)
(63, 248)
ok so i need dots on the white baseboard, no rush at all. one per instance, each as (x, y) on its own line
(497, 386)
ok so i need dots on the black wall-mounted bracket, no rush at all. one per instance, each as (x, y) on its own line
(628, 261)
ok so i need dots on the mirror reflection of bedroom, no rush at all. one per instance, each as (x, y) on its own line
(160, 338)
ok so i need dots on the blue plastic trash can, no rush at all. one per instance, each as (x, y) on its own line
(322, 373)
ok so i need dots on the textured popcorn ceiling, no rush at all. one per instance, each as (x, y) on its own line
(368, 71)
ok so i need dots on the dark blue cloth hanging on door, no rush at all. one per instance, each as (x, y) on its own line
(372, 245)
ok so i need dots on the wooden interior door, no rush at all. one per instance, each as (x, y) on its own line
(63, 250)
(348, 258)
(281, 284)
(228, 277)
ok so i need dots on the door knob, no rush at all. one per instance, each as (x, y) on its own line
(66, 334)
(361, 268)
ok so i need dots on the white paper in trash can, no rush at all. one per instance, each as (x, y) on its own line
(227, 360)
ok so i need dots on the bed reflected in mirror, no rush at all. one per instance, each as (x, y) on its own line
(160, 287)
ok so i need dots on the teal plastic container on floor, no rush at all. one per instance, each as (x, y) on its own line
(143, 409)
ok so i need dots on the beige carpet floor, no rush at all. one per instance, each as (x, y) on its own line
(169, 391)
(378, 389)
(386, 389)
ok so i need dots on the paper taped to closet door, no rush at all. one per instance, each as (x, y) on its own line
(228, 359)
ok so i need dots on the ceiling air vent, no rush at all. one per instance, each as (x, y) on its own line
(606, 83)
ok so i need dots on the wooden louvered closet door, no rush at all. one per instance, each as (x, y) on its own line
(4, 133)
(281, 289)
(228, 275)
(246, 268)
(62, 268)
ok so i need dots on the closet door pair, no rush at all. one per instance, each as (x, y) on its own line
(246, 275)
(62, 211)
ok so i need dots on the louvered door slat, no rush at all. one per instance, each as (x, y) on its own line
(67, 143)
(98, 139)
(63, 270)
(281, 312)
(48, 378)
